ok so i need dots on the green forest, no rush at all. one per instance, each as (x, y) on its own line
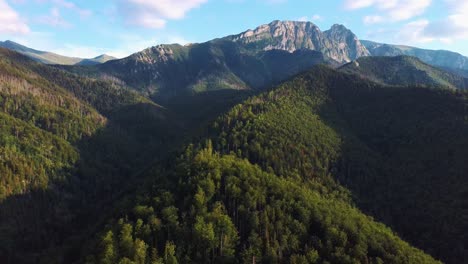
(323, 167)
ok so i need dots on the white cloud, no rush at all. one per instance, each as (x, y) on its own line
(10, 21)
(54, 19)
(447, 30)
(413, 33)
(317, 18)
(154, 14)
(312, 18)
(391, 10)
(68, 5)
(368, 20)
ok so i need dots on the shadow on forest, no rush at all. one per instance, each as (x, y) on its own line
(402, 158)
(35, 224)
(49, 225)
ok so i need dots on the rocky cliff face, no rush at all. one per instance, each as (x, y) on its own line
(345, 45)
(338, 43)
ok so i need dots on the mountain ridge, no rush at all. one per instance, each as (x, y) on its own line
(441, 58)
(296, 172)
(404, 70)
(252, 60)
(53, 58)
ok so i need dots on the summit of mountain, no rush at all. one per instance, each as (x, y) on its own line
(338, 43)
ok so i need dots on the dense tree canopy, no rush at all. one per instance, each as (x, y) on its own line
(94, 172)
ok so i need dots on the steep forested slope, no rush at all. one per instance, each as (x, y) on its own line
(281, 171)
(287, 176)
(401, 150)
(223, 209)
(34, 111)
(67, 143)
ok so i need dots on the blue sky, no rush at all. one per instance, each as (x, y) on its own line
(121, 27)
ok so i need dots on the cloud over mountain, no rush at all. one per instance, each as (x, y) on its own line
(394, 10)
(154, 14)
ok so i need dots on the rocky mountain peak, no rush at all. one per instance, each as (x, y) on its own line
(159, 53)
(338, 43)
(347, 44)
(283, 35)
(339, 28)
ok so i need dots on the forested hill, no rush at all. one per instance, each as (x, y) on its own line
(66, 144)
(281, 176)
(327, 167)
(404, 70)
(39, 120)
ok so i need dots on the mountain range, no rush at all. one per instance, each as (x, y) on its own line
(440, 58)
(282, 144)
(404, 70)
(52, 58)
(254, 59)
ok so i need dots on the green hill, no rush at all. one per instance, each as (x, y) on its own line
(404, 70)
(67, 143)
(279, 178)
(32, 105)
(326, 167)
(398, 150)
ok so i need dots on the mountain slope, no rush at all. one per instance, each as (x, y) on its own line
(38, 106)
(404, 70)
(390, 146)
(69, 145)
(253, 60)
(97, 60)
(169, 70)
(52, 58)
(440, 58)
(265, 185)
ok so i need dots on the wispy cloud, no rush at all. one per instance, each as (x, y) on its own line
(447, 30)
(389, 10)
(54, 19)
(314, 18)
(154, 14)
(368, 20)
(454, 26)
(82, 12)
(10, 21)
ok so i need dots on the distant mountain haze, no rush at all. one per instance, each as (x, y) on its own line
(52, 58)
(441, 58)
(404, 70)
